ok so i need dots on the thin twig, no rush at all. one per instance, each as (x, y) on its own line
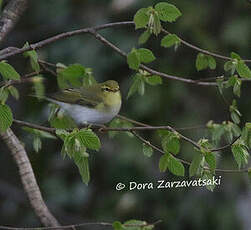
(184, 161)
(75, 226)
(203, 50)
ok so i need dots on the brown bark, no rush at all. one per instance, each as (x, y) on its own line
(10, 16)
(28, 179)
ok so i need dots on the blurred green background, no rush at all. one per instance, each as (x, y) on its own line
(220, 26)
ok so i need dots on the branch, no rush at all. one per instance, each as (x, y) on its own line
(28, 179)
(74, 226)
(203, 50)
(14, 51)
(11, 51)
(183, 161)
(142, 127)
(10, 16)
(155, 72)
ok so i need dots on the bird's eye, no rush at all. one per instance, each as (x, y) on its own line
(107, 89)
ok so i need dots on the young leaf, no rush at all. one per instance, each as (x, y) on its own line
(201, 62)
(4, 94)
(137, 85)
(32, 54)
(117, 225)
(243, 70)
(163, 162)
(235, 56)
(195, 165)
(6, 117)
(229, 65)
(143, 38)
(14, 92)
(153, 80)
(62, 121)
(240, 154)
(208, 176)
(83, 166)
(147, 150)
(141, 18)
(72, 75)
(170, 40)
(175, 166)
(118, 123)
(156, 25)
(210, 159)
(167, 12)
(8, 72)
(88, 139)
(211, 62)
(37, 144)
(171, 143)
(145, 55)
(133, 59)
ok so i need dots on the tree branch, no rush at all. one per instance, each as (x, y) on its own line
(28, 179)
(183, 161)
(75, 226)
(10, 16)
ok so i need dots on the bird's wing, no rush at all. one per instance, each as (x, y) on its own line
(77, 96)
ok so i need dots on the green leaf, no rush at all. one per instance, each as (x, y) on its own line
(32, 54)
(240, 154)
(195, 165)
(6, 118)
(89, 139)
(133, 59)
(72, 76)
(153, 80)
(163, 162)
(201, 62)
(145, 55)
(144, 37)
(210, 159)
(39, 133)
(4, 94)
(134, 225)
(137, 86)
(170, 40)
(237, 87)
(14, 92)
(141, 18)
(235, 117)
(243, 70)
(118, 123)
(229, 65)
(83, 166)
(175, 166)
(171, 143)
(211, 62)
(155, 27)
(147, 150)
(207, 175)
(235, 56)
(62, 121)
(117, 225)
(8, 72)
(167, 12)
(141, 88)
(37, 144)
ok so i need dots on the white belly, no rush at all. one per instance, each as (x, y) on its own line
(83, 115)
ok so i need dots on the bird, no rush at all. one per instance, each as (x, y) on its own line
(95, 104)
